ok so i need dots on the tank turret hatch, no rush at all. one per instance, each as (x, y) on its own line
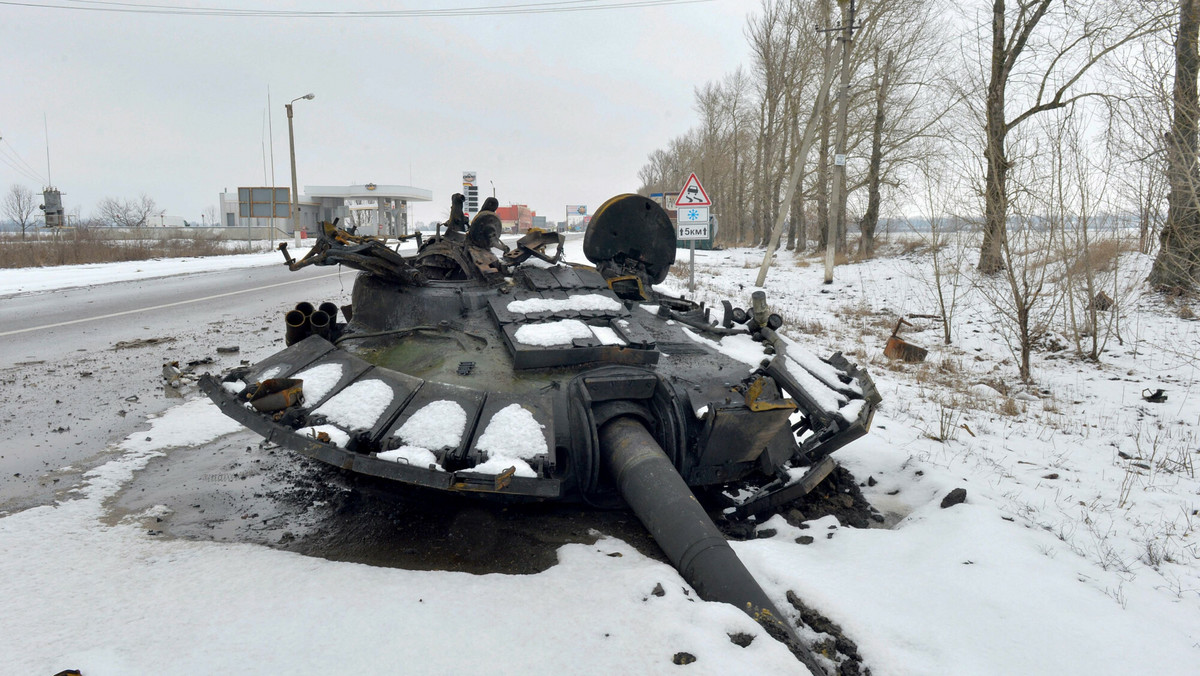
(630, 236)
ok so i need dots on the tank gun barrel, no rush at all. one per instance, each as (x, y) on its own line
(662, 501)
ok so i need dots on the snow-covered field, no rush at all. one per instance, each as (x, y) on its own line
(1075, 552)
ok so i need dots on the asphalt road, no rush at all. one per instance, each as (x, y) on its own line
(82, 367)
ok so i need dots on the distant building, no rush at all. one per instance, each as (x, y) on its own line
(539, 222)
(372, 209)
(516, 217)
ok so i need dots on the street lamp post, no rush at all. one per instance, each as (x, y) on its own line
(292, 150)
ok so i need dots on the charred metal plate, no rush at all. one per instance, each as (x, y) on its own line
(793, 380)
(542, 410)
(632, 331)
(284, 364)
(404, 387)
(469, 399)
(351, 368)
(540, 279)
(623, 386)
(591, 351)
(735, 434)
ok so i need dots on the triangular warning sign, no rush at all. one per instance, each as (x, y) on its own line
(692, 194)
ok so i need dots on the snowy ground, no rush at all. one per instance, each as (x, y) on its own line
(1075, 553)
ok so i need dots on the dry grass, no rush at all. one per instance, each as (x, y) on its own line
(949, 366)
(1185, 312)
(1010, 407)
(84, 246)
(1102, 256)
(810, 326)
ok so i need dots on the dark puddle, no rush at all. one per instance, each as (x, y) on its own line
(239, 490)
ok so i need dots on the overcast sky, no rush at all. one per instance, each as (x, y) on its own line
(555, 109)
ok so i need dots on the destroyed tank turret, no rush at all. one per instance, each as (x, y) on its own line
(515, 375)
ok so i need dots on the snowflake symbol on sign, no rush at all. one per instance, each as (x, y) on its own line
(693, 215)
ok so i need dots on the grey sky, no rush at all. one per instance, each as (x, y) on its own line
(554, 108)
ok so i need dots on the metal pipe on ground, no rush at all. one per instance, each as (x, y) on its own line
(305, 307)
(298, 326)
(662, 501)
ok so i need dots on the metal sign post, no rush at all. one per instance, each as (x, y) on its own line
(691, 207)
(692, 224)
(692, 268)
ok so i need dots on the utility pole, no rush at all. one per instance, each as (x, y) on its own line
(271, 142)
(836, 212)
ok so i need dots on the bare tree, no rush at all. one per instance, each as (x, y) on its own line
(1178, 263)
(1042, 49)
(866, 244)
(19, 206)
(771, 37)
(120, 213)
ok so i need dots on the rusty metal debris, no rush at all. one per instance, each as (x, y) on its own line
(898, 348)
(276, 394)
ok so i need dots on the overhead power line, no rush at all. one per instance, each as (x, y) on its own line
(558, 7)
(13, 160)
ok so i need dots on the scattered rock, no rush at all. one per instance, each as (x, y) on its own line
(871, 481)
(741, 639)
(658, 590)
(839, 649)
(1052, 475)
(805, 540)
(231, 349)
(954, 497)
(766, 533)
(683, 658)
(794, 517)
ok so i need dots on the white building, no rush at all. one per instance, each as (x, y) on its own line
(372, 209)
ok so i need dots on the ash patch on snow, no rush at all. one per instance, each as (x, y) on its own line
(241, 490)
(372, 521)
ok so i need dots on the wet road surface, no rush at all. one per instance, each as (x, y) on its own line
(82, 367)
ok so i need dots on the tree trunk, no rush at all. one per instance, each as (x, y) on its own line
(822, 187)
(770, 194)
(758, 191)
(866, 244)
(995, 193)
(1178, 263)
